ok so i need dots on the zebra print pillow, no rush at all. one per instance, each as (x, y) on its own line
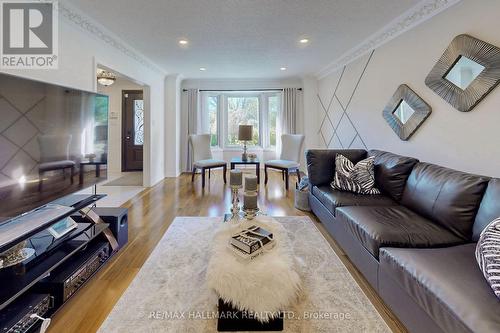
(357, 178)
(488, 255)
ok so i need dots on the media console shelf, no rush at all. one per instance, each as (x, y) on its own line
(14, 284)
(17, 229)
(57, 267)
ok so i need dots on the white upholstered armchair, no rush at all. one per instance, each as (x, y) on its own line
(291, 147)
(202, 157)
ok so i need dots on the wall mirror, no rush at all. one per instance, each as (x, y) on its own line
(467, 71)
(406, 112)
(403, 111)
(464, 72)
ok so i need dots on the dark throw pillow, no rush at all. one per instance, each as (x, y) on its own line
(357, 178)
(488, 255)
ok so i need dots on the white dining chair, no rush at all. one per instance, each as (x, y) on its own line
(202, 157)
(289, 161)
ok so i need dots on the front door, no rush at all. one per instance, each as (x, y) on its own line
(132, 130)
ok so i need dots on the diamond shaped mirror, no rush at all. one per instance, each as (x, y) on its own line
(466, 72)
(406, 112)
(403, 111)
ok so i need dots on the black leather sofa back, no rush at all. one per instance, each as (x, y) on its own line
(391, 172)
(448, 197)
(321, 163)
(489, 209)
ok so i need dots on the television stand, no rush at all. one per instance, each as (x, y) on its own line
(59, 266)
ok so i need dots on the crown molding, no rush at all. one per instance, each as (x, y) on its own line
(95, 29)
(416, 15)
(243, 83)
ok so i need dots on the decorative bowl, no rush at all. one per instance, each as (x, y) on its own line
(15, 255)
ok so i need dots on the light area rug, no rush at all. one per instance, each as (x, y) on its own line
(130, 179)
(170, 292)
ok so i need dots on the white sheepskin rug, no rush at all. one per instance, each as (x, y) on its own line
(265, 285)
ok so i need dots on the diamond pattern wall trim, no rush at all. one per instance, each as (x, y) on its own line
(17, 132)
(337, 130)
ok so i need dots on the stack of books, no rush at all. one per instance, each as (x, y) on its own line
(252, 242)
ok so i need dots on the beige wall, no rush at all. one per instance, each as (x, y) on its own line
(465, 141)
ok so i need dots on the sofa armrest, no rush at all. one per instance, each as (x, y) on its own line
(321, 163)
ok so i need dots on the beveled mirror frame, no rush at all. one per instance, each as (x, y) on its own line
(421, 108)
(482, 53)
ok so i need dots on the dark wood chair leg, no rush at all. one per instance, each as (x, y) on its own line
(257, 172)
(193, 173)
(80, 174)
(73, 174)
(40, 181)
(286, 180)
(209, 173)
(265, 175)
(203, 177)
(224, 171)
(283, 174)
(298, 175)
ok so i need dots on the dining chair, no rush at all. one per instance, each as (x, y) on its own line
(289, 161)
(54, 155)
(202, 157)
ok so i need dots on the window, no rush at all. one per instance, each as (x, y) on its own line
(138, 122)
(223, 112)
(242, 110)
(274, 104)
(213, 106)
(100, 124)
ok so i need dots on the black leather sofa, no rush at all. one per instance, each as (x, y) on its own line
(415, 243)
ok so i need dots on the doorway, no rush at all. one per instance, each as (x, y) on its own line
(132, 130)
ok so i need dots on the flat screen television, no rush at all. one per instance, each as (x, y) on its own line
(52, 139)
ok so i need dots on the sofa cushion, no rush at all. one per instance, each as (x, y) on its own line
(448, 197)
(332, 199)
(489, 208)
(321, 163)
(391, 172)
(447, 284)
(396, 226)
(357, 178)
(488, 255)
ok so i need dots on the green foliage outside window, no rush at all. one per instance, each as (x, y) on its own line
(212, 113)
(242, 111)
(274, 105)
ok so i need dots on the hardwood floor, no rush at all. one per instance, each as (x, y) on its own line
(150, 214)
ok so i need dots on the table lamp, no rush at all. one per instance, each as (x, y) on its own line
(245, 134)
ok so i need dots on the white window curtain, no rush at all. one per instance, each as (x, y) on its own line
(193, 121)
(288, 115)
(289, 111)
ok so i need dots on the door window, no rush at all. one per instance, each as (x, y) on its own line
(138, 122)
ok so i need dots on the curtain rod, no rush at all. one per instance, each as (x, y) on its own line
(215, 90)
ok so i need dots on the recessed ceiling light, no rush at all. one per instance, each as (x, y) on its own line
(304, 41)
(183, 42)
(283, 69)
(203, 69)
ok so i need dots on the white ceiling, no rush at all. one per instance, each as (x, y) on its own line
(243, 38)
